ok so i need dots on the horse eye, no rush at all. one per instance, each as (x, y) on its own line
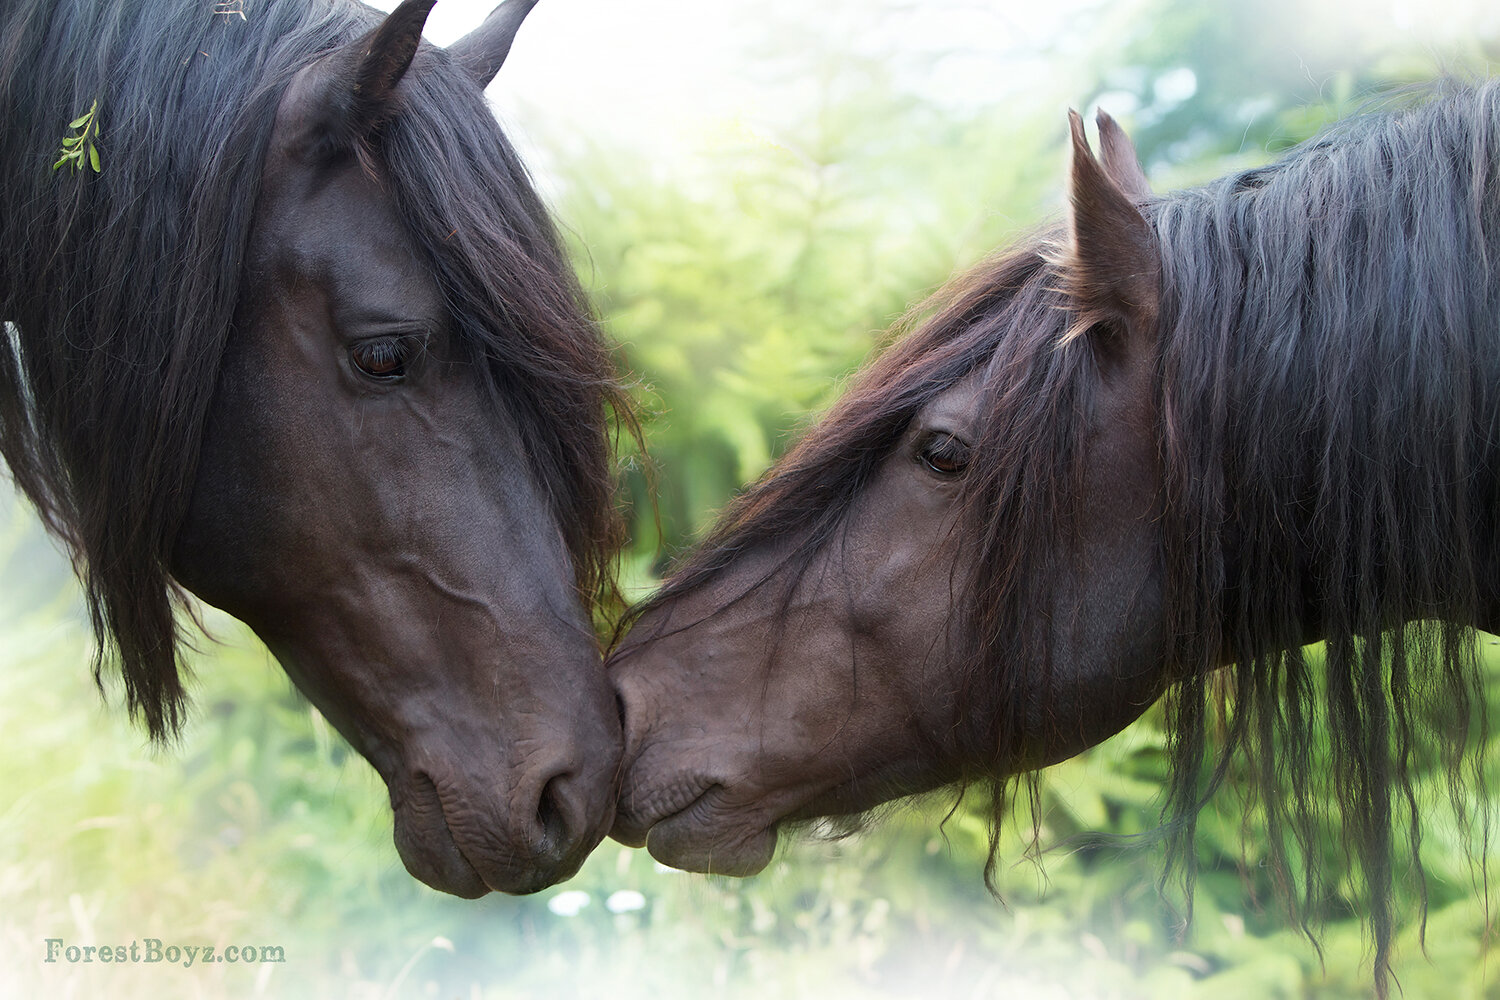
(383, 360)
(945, 455)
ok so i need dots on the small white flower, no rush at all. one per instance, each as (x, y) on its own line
(625, 901)
(569, 904)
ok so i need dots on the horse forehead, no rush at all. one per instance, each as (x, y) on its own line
(302, 162)
(956, 409)
(305, 109)
(339, 209)
(313, 216)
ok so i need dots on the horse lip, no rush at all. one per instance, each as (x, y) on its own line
(428, 848)
(628, 833)
(543, 862)
(632, 829)
(849, 797)
(675, 836)
(679, 840)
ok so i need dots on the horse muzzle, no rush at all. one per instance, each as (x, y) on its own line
(461, 837)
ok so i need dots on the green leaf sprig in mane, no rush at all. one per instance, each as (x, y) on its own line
(81, 147)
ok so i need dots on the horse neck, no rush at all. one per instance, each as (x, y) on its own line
(1331, 372)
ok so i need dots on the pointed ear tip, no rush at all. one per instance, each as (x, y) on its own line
(1080, 141)
(411, 13)
(1075, 126)
(416, 10)
(409, 8)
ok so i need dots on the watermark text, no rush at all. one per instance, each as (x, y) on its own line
(151, 951)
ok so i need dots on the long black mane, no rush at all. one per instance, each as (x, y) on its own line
(119, 288)
(1330, 400)
(1328, 383)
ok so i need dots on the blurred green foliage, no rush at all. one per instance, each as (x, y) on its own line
(741, 305)
(743, 288)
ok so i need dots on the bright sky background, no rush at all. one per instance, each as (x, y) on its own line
(660, 74)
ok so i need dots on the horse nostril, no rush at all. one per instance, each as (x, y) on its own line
(551, 814)
(620, 707)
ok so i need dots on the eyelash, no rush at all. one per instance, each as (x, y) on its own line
(944, 455)
(384, 359)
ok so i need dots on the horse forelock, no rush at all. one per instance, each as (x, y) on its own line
(1005, 316)
(516, 302)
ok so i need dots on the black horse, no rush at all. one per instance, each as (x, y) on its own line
(288, 327)
(1178, 433)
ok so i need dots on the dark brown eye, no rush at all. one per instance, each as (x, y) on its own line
(944, 454)
(383, 360)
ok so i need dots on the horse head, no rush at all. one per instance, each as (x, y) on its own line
(370, 505)
(344, 387)
(1170, 436)
(815, 657)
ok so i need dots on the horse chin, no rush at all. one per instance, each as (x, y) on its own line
(701, 836)
(700, 825)
(433, 857)
(737, 853)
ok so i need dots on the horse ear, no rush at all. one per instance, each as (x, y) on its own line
(1117, 154)
(482, 51)
(384, 57)
(343, 99)
(1110, 268)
